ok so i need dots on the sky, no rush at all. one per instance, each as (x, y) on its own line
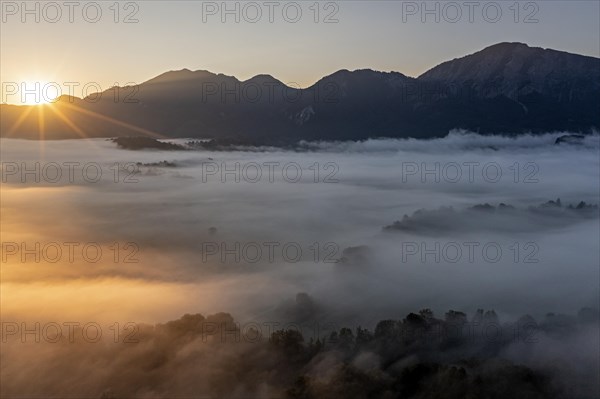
(102, 43)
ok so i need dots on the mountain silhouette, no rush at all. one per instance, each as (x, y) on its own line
(505, 88)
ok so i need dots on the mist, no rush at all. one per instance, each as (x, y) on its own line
(291, 236)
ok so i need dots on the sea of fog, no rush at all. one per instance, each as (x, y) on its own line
(91, 232)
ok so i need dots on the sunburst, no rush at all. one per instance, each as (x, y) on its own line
(59, 108)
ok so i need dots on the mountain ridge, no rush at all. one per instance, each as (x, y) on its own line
(503, 88)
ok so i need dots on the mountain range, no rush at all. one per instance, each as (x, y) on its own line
(508, 88)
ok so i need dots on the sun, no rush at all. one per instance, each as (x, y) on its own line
(37, 92)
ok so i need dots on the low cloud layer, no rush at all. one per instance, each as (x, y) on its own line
(179, 233)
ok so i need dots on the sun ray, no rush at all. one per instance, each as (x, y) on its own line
(41, 122)
(19, 121)
(69, 123)
(114, 121)
(41, 128)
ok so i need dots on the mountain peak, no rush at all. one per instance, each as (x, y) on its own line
(180, 75)
(506, 45)
(63, 99)
(262, 79)
(514, 64)
(358, 74)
